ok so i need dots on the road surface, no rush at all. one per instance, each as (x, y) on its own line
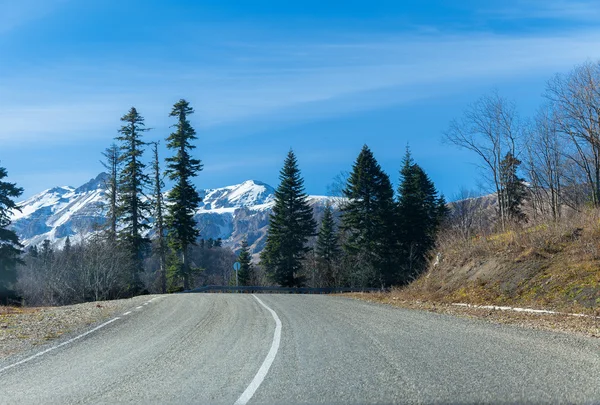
(228, 348)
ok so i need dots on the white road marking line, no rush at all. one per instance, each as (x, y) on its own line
(264, 368)
(140, 307)
(57, 346)
(127, 313)
(528, 310)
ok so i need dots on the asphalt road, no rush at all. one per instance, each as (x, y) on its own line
(210, 348)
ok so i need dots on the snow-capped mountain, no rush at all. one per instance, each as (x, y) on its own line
(230, 213)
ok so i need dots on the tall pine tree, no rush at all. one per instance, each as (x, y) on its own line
(183, 198)
(245, 273)
(327, 250)
(290, 225)
(112, 164)
(513, 190)
(368, 220)
(133, 207)
(10, 248)
(158, 211)
(420, 212)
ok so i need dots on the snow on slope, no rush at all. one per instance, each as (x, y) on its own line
(230, 213)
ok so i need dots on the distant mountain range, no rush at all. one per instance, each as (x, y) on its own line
(230, 213)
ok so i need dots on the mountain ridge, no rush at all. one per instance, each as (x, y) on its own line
(230, 213)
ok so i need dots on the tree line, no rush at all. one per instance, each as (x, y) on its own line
(549, 162)
(383, 238)
(131, 254)
(371, 235)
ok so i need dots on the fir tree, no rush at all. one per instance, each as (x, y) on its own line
(218, 243)
(112, 164)
(133, 208)
(47, 254)
(245, 273)
(368, 220)
(290, 225)
(513, 190)
(158, 210)
(328, 249)
(420, 212)
(183, 198)
(10, 248)
(33, 251)
(67, 247)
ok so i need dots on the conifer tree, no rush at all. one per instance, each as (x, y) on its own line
(183, 198)
(133, 207)
(245, 273)
(513, 190)
(218, 243)
(420, 212)
(112, 164)
(368, 220)
(290, 225)
(158, 210)
(33, 251)
(67, 247)
(327, 249)
(47, 253)
(10, 247)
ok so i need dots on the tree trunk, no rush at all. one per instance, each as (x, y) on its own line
(184, 268)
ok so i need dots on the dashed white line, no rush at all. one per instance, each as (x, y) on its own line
(266, 365)
(73, 339)
(57, 346)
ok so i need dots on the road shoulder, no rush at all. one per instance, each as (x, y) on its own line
(23, 330)
(582, 326)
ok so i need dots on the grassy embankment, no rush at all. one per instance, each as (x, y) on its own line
(554, 266)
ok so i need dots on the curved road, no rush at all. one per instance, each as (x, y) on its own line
(212, 348)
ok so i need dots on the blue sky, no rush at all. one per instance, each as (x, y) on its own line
(322, 77)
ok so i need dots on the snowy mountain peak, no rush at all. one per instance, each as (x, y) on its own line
(248, 193)
(231, 213)
(99, 182)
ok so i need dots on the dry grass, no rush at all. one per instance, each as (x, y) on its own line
(9, 310)
(553, 266)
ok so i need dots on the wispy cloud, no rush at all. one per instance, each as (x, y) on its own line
(14, 14)
(279, 80)
(574, 10)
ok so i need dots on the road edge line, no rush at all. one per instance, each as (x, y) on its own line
(266, 365)
(526, 310)
(57, 346)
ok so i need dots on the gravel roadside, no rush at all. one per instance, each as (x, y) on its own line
(22, 329)
(584, 326)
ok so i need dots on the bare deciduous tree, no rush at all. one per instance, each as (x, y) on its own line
(490, 128)
(546, 164)
(466, 216)
(575, 98)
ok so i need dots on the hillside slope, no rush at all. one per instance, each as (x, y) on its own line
(555, 266)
